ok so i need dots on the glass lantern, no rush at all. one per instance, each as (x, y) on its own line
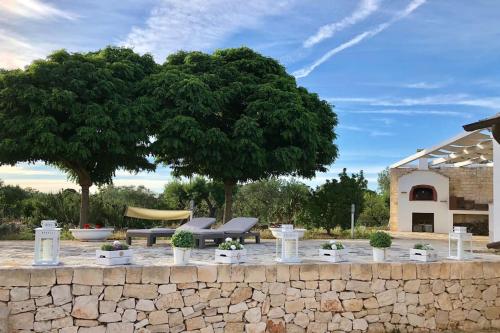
(460, 235)
(47, 244)
(287, 244)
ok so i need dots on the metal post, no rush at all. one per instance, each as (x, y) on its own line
(353, 209)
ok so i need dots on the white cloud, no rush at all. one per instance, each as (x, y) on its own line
(364, 9)
(370, 132)
(424, 85)
(16, 52)
(7, 170)
(197, 24)
(413, 113)
(33, 9)
(303, 72)
(491, 102)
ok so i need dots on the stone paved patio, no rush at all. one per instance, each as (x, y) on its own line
(73, 253)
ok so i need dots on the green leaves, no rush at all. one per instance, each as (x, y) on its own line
(237, 116)
(330, 205)
(77, 111)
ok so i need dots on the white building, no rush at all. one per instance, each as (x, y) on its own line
(446, 185)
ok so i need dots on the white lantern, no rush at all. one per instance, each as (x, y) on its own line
(460, 235)
(47, 244)
(287, 243)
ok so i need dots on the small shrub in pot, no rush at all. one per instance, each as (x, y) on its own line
(380, 241)
(182, 242)
(183, 239)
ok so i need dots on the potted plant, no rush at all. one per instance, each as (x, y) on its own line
(182, 243)
(380, 241)
(92, 233)
(230, 252)
(423, 252)
(332, 251)
(114, 254)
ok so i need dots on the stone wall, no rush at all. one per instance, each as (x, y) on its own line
(239, 298)
(470, 183)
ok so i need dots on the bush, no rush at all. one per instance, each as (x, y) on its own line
(375, 211)
(183, 239)
(330, 205)
(380, 239)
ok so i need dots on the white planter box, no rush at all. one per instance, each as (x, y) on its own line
(423, 255)
(378, 254)
(110, 258)
(333, 255)
(230, 256)
(181, 255)
(92, 235)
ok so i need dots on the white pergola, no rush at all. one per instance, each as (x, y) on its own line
(468, 149)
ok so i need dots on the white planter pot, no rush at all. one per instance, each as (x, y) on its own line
(230, 256)
(423, 255)
(181, 255)
(92, 235)
(276, 232)
(378, 254)
(110, 258)
(333, 255)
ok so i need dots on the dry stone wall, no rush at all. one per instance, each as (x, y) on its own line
(239, 298)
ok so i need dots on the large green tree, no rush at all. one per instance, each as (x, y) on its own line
(330, 205)
(237, 116)
(79, 112)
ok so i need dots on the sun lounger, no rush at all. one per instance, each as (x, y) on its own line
(237, 228)
(195, 224)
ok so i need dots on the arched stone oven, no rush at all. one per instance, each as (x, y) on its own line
(423, 193)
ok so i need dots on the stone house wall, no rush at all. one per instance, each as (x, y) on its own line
(471, 183)
(242, 298)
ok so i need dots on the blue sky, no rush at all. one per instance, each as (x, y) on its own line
(402, 74)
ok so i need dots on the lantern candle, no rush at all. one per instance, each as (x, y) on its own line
(46, 249)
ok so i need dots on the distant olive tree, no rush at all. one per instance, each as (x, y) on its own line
(273, 201)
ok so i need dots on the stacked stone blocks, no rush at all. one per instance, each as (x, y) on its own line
(253, 298)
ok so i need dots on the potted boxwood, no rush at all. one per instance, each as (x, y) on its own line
(230, 252)
(114, 254)
(380, 241)
(423, 252)
(182, 243)
(332, 251)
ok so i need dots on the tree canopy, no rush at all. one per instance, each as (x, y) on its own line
(237, 116)
(330, 205)
(80, 112)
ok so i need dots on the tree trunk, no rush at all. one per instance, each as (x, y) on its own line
(212, 210)
(228, 200)
(85, 204)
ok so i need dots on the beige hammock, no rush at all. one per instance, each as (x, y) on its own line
(155, 214)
